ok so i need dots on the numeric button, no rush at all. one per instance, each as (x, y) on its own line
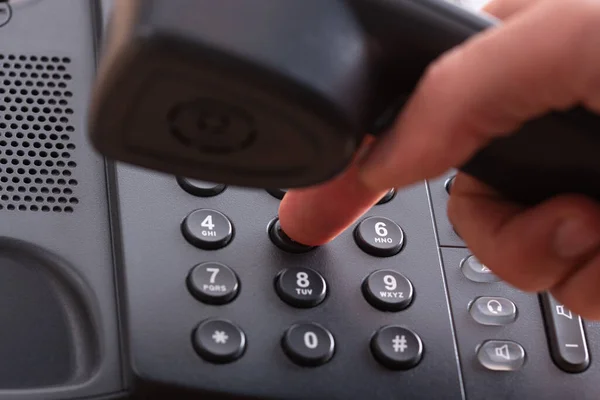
(379, 236)
(200, 188)
(207, 229)
(301, 287)
(308, 344)
(388, 290)
(213, 283)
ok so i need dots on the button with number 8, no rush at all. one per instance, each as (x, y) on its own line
(308, 344)
(207, 229)
(301, 287)
(379, 236)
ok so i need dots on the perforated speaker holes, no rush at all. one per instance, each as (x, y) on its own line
(36, 149)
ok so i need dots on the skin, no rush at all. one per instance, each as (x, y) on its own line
(545, 56)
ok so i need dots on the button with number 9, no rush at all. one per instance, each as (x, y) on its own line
(379, 236)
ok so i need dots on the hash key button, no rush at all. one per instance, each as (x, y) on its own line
(301, 287)
(397, 348)
(213, 283)
(379, 236)
(207, 229)
(388, 290)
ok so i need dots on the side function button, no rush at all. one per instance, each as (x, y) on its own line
(493, 311)
(200, 188)
(301, 287)
(379, 236)
(219, 341)
(213, 283)
(568, 343)
(388, 290)
(387, 197)
(308, 344)
(475, 271)
(396, 347)
(207, 229)
(501, 355)
(281, 240)
(277, 193)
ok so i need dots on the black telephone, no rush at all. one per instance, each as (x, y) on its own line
(139, 278)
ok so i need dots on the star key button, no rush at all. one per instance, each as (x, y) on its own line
(219, 341)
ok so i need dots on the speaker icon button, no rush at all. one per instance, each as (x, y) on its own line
(501, 355)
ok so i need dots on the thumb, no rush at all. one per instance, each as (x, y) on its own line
(544, 58)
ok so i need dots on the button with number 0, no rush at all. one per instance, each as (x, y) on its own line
(207, 229)
(388, 290)
(213, 283)
(301, 287)
(379, 236)
(308, 344)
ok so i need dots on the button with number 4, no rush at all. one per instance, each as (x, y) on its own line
(213, 283)
(308, 344)
(379, 236)
(207, 229)
(301, 287)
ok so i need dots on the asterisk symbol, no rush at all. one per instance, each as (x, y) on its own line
(220, 337)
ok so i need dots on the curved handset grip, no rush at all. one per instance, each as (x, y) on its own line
(554, 154)
(280, 93)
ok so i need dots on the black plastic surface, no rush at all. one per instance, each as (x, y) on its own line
(62, 338)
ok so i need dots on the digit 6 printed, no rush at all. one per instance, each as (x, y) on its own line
(380, 229)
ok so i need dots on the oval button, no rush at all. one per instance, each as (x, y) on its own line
(493, 311)
(475, 271)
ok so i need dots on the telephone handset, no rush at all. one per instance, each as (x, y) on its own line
(279, 93)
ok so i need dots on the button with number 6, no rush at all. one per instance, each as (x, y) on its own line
(301, 287)
(207, 229)
(379, 236)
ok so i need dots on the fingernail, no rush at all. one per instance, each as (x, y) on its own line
(576, 238)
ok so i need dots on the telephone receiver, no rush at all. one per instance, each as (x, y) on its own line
(281, 93)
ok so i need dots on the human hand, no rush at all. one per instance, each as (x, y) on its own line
(544, 57)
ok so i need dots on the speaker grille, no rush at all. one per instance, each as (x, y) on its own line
(36, 128)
